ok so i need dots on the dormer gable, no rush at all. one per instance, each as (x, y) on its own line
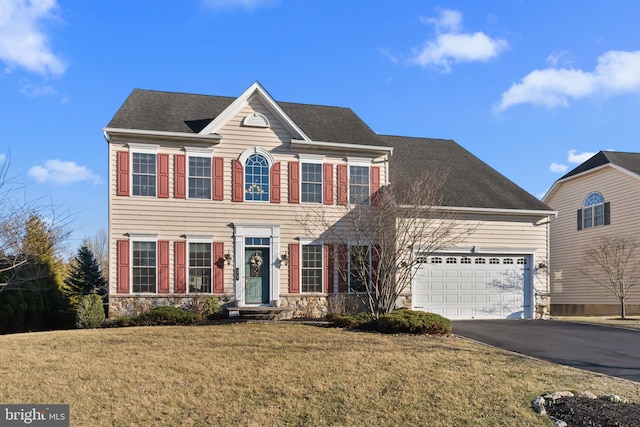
(235, 108)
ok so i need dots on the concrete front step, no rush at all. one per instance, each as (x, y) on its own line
(273, 314)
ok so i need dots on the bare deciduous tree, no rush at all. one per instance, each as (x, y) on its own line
(378, 246)
(99, 245)
(18, 245)
(613, 262)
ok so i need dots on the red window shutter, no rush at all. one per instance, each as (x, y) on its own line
(343, 268)
(375, 184)
(294, 182)
(180, 267)
(123, 173)
(163, 267)
(375, 179)
(163, 176)
(218, 178)
(237, 194)
(218, 267)
(328, 269)
(274, 180)
(123, 266)
(179, 176)
(294, 268)
(342, 185)
(327, 177)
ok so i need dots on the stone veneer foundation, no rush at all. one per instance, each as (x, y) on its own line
(307, 306)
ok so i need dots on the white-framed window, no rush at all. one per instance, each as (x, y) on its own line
(359, 180)
(256, 178)
(359, 268)
(311, 179)
(199, 173)
(200, 265)
(358, 184)
(144, 170)
(144, 264)
(312, 268)
(593, 211)
(311, 182)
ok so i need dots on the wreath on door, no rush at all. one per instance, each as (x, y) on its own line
(256, 262)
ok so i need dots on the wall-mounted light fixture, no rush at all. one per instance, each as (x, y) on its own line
(541, 265)
(228, 258)
(284, 258)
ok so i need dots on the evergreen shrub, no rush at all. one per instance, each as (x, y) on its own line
(165, 316)
(414, 322)
(89, 311)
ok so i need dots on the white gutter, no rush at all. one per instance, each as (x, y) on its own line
(160, 134)
(518, 212)
(342, 145)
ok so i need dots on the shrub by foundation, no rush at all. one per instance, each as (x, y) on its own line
(414, 322)
(158, 316)
(350, 321)
(167, 316)
(89, 311)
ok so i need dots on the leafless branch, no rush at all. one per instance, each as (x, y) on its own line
(387, 239)
(613, 262)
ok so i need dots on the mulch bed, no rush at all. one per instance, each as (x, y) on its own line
(585, 412)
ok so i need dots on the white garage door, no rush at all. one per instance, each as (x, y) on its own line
(474, 286)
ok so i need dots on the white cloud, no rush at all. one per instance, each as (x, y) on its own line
(451, 45)
(36, 91)
(573, 157)
(249, 5)
(64, 173)
(616, 72)
(558, 168)
(559, 57)
(576, 158)
(23, 44)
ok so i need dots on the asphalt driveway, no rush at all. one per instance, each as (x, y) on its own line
(608, 350)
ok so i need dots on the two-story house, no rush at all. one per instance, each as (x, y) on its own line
(596, 199)
(206, 192)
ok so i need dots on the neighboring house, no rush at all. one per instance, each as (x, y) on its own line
(598, 198)
(204, 194)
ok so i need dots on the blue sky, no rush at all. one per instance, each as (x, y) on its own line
(531, 87)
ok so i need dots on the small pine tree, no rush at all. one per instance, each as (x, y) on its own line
(84, 276)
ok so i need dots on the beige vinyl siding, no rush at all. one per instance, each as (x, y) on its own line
(172, 219)
(619, 188)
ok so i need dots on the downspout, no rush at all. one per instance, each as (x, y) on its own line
(109, 248)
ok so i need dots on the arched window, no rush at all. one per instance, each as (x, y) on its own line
(595, 212)
(256, 178)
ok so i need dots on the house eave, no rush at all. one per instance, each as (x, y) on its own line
(143, 133)
(497, 211)
(555, 185)
(342, 146)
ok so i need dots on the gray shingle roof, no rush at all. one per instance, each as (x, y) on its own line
(185, 112)
(470, 181)
(628, 161)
